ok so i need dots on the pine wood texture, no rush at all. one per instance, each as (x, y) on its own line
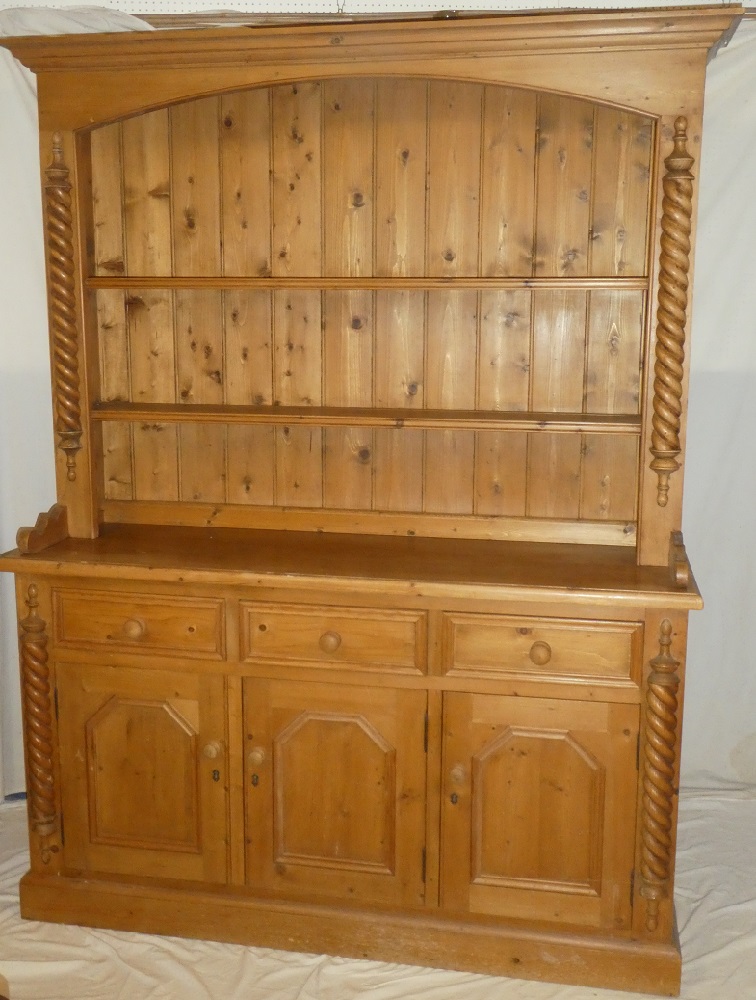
(360, 623)
(435, 356)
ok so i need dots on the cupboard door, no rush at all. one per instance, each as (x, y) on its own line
(335, 791)
(144, 773)
(538, 808)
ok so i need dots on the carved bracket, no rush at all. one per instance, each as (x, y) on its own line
(35, 676)
(51, 527)
(679, 567)
(674, 264)
(659, 776)
(60, 253)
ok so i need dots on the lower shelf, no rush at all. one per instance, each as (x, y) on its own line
(417, 939)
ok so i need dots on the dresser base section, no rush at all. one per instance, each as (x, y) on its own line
(417, 939)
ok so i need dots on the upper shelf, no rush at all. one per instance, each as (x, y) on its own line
(363, 283)
(353, 416)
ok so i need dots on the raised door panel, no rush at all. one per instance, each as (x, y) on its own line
(538, 809)
(144, 773)
(335, 791)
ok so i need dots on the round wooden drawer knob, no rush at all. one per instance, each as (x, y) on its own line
(540, 653)
(212, 749)
(256, 757)
(134, 629)
(330, 642)
(458, 774)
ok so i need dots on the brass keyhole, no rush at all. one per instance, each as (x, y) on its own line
(255, 780)
(216, 775)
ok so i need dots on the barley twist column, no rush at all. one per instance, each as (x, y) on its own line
(35, 676)
(659, 776)
(59, 234)
(674, 264)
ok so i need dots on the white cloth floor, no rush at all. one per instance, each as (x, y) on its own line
(716, 906)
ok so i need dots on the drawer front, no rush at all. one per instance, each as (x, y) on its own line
(328, 636)
(487, 645)
(188, 626)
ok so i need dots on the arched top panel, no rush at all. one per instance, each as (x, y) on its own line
(377, 177)
(647, 60)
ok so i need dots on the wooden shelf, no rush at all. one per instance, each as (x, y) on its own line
(348, 416)
(492, 569)
(374, 283)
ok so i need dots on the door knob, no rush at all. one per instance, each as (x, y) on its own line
(212, 749)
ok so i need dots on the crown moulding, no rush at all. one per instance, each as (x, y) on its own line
(329, 43)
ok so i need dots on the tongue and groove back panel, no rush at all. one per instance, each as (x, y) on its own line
(419, 298)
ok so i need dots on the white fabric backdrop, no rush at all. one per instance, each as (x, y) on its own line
(720, 527)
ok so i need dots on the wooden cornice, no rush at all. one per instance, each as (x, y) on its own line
(358, 41)
(626, 59)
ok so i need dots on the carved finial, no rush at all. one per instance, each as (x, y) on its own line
(679, 160)
(674, 264)
(32, 599)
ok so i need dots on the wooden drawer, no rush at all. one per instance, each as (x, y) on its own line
(487, 645)
(327, 636)
(148, 623)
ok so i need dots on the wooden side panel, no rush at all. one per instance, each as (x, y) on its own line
(565, 156)
(508, 182)
(454, 126)
(335, 791)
